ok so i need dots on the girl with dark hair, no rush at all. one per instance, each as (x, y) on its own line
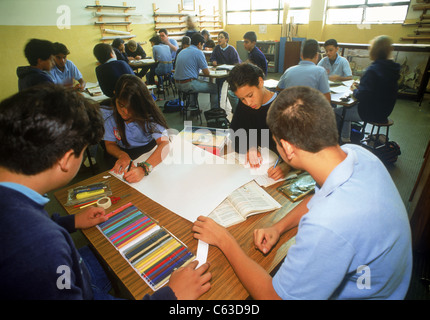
(134, 125)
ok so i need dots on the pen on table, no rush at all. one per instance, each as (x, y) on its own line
(129, 167)
(277, 161)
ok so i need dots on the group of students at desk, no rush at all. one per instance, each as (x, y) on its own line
(339, 238)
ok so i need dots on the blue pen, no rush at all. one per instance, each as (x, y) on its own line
(277, 161)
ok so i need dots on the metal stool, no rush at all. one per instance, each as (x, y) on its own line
(188, 98)
(372, 140)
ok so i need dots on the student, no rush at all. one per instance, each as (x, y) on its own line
(185, 43)
(135, 52)
(110, 69)
(188, 65)
(64, 71)
(134, 125)
(119, 49)
(209, 45)
(378, 88)
(224, 53)
(39, 54)
(337, 67)
(351, 243)
(307, 73)
(246, 80)
(255, 55)
(39, 260)
(163, 57)
(191, 27)
(172, 43)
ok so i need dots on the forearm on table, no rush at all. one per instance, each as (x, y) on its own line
(114, 150)
(161, 151)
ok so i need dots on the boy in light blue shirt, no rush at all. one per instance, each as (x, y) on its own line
(307, 73)
(337, 67)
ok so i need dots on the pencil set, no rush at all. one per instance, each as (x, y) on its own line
(151, 250)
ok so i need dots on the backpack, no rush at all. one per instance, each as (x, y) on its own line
(386, 152)
(217, 118)
(173, 106)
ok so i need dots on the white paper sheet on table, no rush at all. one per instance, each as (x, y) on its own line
(191, 181)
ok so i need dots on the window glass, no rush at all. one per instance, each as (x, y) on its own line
(351, 15)
(264, 17)
(238, 17)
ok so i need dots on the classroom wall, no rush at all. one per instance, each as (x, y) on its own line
(21, 20)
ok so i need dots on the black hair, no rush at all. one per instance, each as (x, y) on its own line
(163, 30)
(331, 42)
(244, 74)
(210, 44)
(186, 40)
(197, 38)
(60, 48)
(155, 40)
(302, 116)
(38, 49)
(102, 52)
(225, 34)
(251, 36)
(117, 42)
(310, 49)
(40, 124)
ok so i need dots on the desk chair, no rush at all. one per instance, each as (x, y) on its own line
(190, 104)
(374, 141)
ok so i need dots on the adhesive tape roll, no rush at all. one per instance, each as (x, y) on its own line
(104, 202)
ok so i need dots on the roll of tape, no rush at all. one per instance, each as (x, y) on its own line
(104, 202)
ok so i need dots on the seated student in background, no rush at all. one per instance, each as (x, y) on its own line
(255, 55)
(135, 51)
(224, 53)
(185, 43)
(64, 71)
(172, 43)
(307, 73)
(351, 243)
(246, 80)
(39, 54)
(188, 65)
(191, 27)
(134, 125)
(110, 69)
(161, 54)
(209, 45)
(207, 37)
(378, 88)
(337, 67)
(119, 49)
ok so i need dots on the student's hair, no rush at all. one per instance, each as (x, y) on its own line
(251, 36)
(186, 40)
(244, 74)
(380, 48)
(38, 49)
(117, 42)
(60, 48)
(206, 33)
(164, 30)
(132, 45)
(102, 52)
(141, 105)
(331, 42)
(310, 48)
(155, 40)
(197, 38)
(210, 44)
(40, 124)
(225, 34)
(302, 116)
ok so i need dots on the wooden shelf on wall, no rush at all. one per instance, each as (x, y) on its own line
(422, 33)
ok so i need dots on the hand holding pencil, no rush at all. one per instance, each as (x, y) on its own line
(279, 170)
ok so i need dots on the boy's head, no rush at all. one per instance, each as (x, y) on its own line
(380, 48)
(185, 42)
(155, 40)
(132, 45)
(39, 125)
(331, 48)
(249, 40)
(103, 52)
(310, 49)
(164, 34)
(246, 80)
(303, 117)
(39, 53)
(197, 40)
(60, 54)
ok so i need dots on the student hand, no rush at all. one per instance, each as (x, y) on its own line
(253, 157)
(265, 239)
(134, 175)
(354, 86)
(334, 77)
(90, 217)
(211, 232)
(121, 165)
(279, 172)
(138, 58)
(189, 283)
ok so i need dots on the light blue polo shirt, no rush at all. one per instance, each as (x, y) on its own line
(136, 136)
(189, 62)
(30, 193)
(355, 240)
(65, 77)
(306, 73)
(175, 43)
(161, 52)
(340, 66)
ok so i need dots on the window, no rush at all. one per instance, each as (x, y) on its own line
(266, 11)
(366, 11)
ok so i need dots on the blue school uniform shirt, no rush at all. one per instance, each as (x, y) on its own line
(173, 52)
(306, 73)
(355, 240)
(189, 62)
(66, 77)
(340, 66)
(258, 58)
(136, 136)
(161, 52)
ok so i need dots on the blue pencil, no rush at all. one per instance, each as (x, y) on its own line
(277, 161)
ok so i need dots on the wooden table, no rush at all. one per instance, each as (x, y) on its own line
(225, 284)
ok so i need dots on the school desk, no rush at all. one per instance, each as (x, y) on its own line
(225, 284)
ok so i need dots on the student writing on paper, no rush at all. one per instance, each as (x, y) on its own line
(246, 80)
(39, 259)
(134, 125)
(342, 249)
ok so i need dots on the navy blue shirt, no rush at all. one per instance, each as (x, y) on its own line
(258, 58)
(30, 76)
(108, 73)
